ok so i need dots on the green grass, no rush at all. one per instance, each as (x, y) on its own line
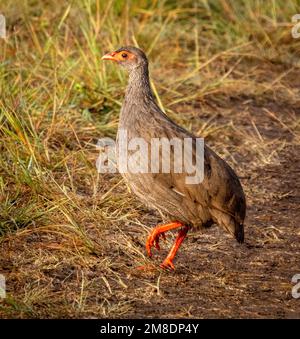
(57, 98)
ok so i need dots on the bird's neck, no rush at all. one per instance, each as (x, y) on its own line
(139, 103)
(139, 87)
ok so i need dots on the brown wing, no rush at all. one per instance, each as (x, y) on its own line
(219, 197)
(219, 193)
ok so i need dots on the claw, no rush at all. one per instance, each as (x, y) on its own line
(157, 244)
(148, 248)
(153, 240)
(167, 264)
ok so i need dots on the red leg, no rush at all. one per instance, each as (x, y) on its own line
(168, 262)
(158, 231)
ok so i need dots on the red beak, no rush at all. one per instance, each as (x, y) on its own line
(109, 56)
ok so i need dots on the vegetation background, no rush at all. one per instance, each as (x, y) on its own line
(70, 238)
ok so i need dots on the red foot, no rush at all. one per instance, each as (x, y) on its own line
(167, 264)
(145, 268)
(153, 239)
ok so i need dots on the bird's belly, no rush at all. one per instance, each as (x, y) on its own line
(170, 203)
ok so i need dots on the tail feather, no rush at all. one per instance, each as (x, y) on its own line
(239, 232)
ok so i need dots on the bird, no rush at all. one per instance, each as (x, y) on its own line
(218, 199)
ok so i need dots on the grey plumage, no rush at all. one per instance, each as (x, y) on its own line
(218, 199)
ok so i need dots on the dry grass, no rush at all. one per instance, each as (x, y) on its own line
(70, 237)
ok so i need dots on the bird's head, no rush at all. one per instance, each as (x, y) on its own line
(128, 57)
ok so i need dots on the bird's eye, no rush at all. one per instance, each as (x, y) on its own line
(124, 55)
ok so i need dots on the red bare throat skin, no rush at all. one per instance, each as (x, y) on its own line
(153, 240)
